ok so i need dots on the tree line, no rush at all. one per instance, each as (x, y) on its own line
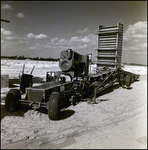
(35, 58)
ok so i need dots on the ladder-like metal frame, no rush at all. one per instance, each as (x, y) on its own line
(109, 52)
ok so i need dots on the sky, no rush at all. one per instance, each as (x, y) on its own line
(45, 28)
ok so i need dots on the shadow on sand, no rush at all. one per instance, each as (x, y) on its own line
(64, 114)
(22, 110)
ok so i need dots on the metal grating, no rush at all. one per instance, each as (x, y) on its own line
(109, 52)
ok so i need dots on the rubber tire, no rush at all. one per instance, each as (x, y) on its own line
(128, 81)
(132, 79)
(54, 106)
(12, 97)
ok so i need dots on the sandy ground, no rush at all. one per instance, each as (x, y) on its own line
(117, 121)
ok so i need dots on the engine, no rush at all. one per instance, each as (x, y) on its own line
(71, 61)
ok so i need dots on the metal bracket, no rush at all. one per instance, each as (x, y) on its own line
(30, 104)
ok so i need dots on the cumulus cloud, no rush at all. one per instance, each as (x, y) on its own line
(6, 6)
(32, 47)
(84, 46)
(135, 42)
(83, 31)
(23, 42)
(30, 35)
(10, 38)
(47, 46)
(8, 35)
(40, 36)
(138, 30)
(73, 39)
(76, 42)
(63, 41)
(20, 15)
(54, 40)
(5, 32)
(135, 35)
(84, 39)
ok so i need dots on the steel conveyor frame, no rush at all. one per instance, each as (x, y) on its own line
(124, 78)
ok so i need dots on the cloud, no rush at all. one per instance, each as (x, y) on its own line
(73, 39)
(10, 38)
(8, 35)
(135, 42)
(135, 35)
(5, 32)
(136, 31)
(83, 31)
(47, 46)
(82, 46)
(63, 41)
(32, 47)
(80, 39)
(30, 35)
(86, 39)
(76, 42)
(20, 15)
(23, 42)
(6, 6)
(54, 40)
(40, 36)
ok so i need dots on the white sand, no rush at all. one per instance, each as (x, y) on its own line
(118, 121)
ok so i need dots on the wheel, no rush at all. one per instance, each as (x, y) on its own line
(12, 100)
(132, 79)
(128, 81)
(54, 106)
(121, 80)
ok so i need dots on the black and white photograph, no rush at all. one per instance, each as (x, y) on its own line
(73, 74)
